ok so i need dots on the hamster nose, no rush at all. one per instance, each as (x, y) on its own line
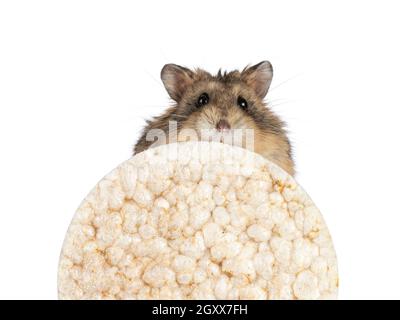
(223, 125)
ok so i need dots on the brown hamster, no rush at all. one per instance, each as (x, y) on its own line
(223, 102)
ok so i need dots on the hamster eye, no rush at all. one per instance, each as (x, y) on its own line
(202, 100)
(241, 102)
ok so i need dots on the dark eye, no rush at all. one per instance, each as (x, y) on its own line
(202, 100)
(241, 102)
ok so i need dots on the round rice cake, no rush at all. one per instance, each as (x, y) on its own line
(197, 220)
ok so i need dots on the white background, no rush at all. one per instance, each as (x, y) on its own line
(78, 78)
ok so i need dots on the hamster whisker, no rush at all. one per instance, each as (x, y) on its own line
(179, 116)
(274, 104)
(284, 82)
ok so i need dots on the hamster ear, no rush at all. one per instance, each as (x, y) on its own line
(259, 77)
(176, 80)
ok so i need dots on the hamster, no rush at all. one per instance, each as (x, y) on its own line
(222, 103)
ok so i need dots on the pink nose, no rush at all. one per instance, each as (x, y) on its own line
(223, 125)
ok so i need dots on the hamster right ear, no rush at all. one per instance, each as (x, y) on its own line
(176, 80)
(259, 77)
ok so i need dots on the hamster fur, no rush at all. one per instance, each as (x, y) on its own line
(223, 102)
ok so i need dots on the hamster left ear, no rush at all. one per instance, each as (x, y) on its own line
(259, 77)
(176, 80)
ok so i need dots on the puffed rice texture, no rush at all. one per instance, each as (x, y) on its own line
(197, 220)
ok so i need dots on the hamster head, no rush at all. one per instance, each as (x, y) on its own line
(227, 107)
